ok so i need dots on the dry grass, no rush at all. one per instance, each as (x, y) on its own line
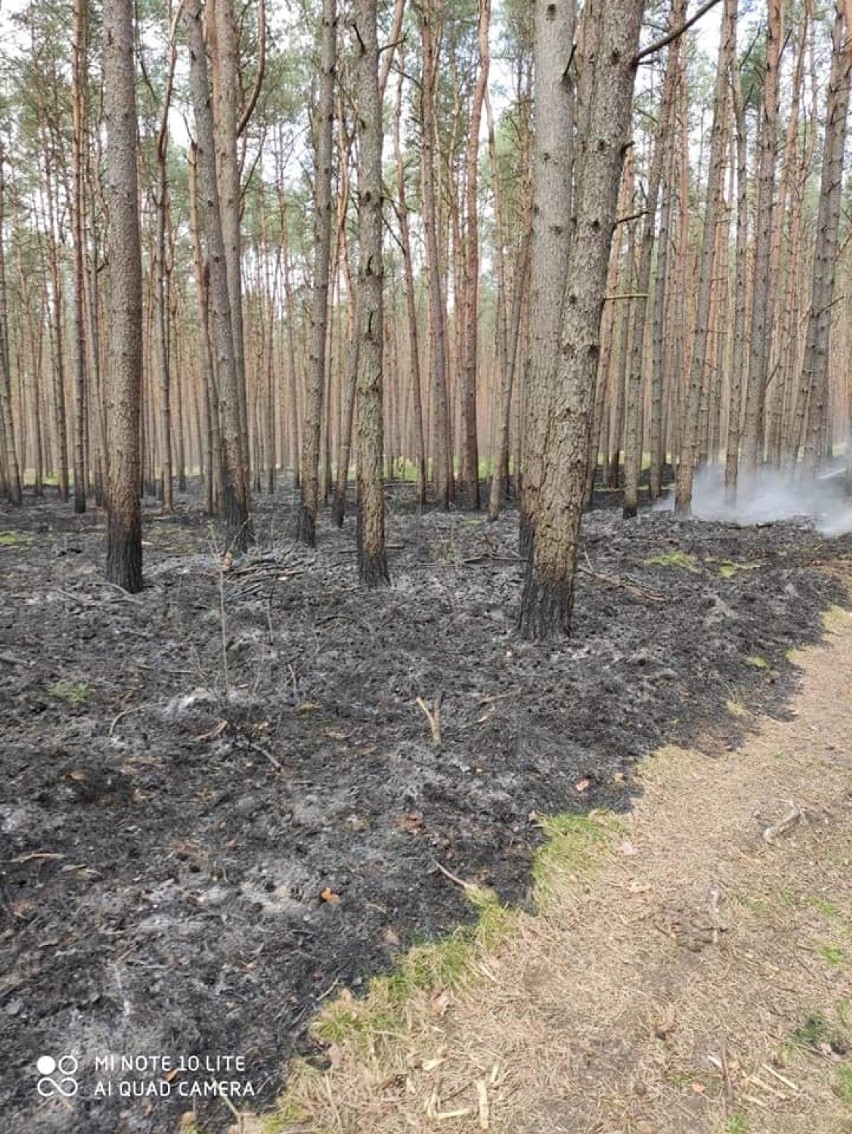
(689, 969)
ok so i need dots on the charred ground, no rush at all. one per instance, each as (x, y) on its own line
(220, 801)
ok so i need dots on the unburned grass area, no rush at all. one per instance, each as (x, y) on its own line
(685, 967)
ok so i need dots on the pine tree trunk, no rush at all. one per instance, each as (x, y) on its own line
(312, 427)
(410, 305)
(508, 328)
(372, 557)
(78, 103)
(761, 313)
(161, 333)
(738, 351)
(633, 403)
(292, 377)
(552, 197)
(222, 33)
(236, 500)
(442, 465)
(7, 423)
(350, 386)
(821, 311)
(713, 219)
(470, 445)
(608, 70)
(209, 441)
(124, 514)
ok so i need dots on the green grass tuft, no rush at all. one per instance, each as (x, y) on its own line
(826, 906)
(728, 568)
(843, 1083)
(573, 843)
(814, 1032)
(832, 953)
(431, 968)
(737, 1124)
(758, 906)
(674, 559)
(72, 692)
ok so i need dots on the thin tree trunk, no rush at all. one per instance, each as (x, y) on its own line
(508, 327)
(312, 430)
(442, 465)
(160, 281)
(124, 514)
(223, 37)
(410, 304)
(372, 557)
(57, 327)
(713, 219)
(7, 423)
(619, 376)
(292, 377)
(633, 402)
(468, 376)
(236, 498)
(816, 373)
(78, 104)
(761, 314)
(738, 351)
(350, 381)
(97, 401)
(658, 347)
(210, 442)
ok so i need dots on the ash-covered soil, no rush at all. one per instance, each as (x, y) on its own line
(219, 799)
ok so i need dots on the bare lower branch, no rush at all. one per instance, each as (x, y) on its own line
(653, 48)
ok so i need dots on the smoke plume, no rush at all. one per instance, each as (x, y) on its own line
(771, 495)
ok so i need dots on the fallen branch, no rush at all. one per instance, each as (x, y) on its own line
(127, 712)
(786, 824)
(35, 856)
(490, 557)
(617, 581)
(433, 716)
(727, 1081)
(489, 700)
(263, 752)
(756, 1082)
(781, 1078)
(482, 1098)
(755, 1101)
(713, 898)
(466, 886)
(121, 592)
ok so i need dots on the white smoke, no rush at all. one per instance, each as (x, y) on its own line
(771, 495)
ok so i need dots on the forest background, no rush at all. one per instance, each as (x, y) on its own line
(361, 242)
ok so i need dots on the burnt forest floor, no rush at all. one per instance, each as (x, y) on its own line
(219, 799)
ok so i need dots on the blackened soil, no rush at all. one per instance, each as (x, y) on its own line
(220, 801)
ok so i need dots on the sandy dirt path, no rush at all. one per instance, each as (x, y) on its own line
(690, 970)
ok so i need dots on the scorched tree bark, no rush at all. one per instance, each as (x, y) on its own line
(605, 96)
(124, 512)
(372, 560)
